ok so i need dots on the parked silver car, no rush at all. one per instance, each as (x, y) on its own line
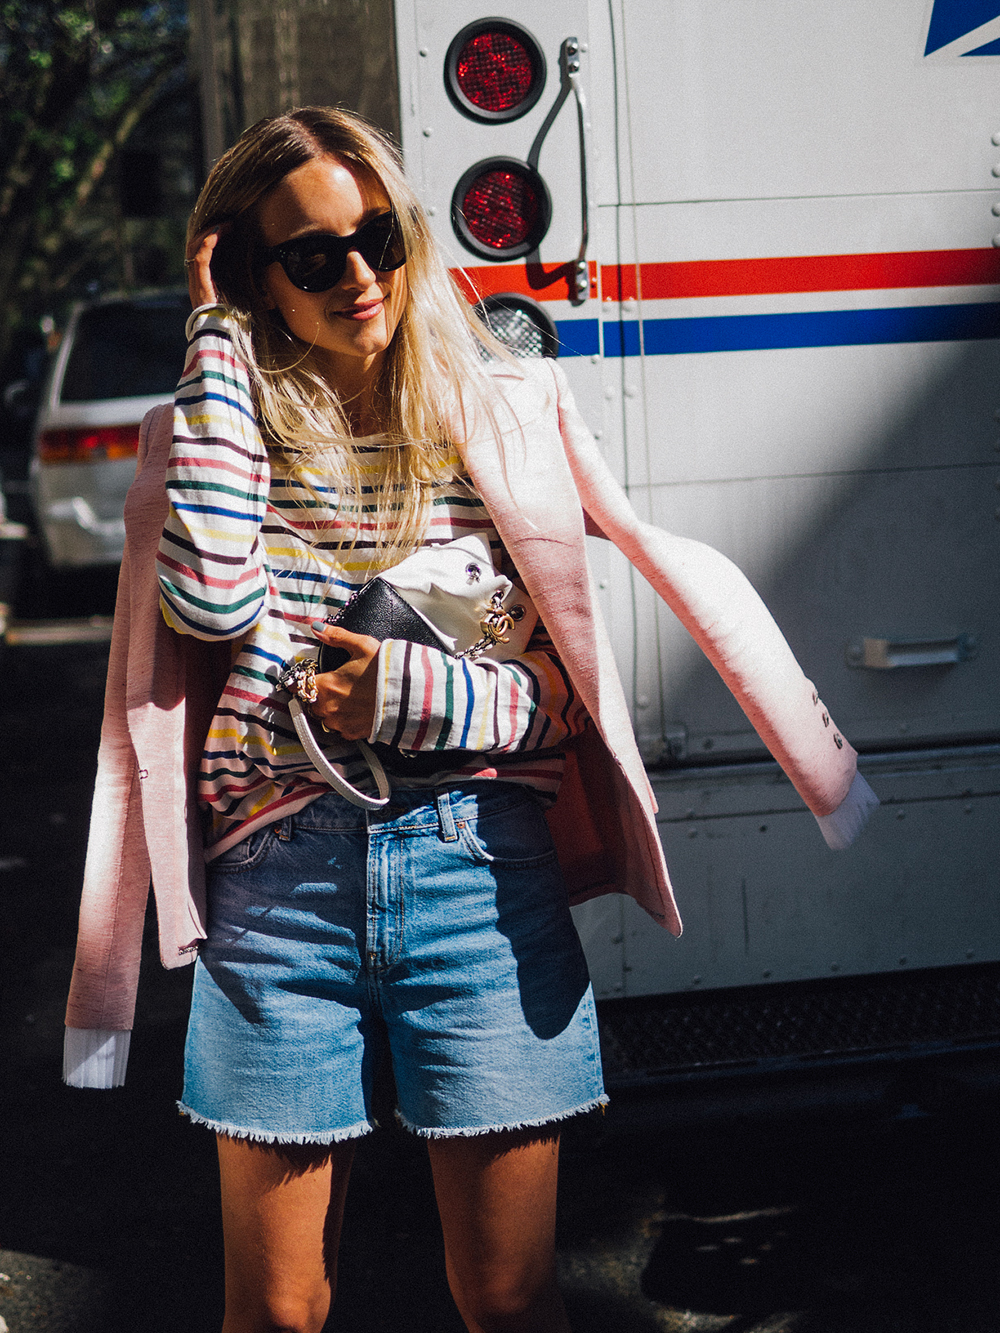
(118, 358)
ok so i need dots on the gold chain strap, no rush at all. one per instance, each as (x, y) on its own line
(300, 680)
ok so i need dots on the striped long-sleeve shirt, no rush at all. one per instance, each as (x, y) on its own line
(252, 554)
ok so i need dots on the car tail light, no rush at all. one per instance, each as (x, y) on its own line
(501, 209)
(494, 70)
(88, 444)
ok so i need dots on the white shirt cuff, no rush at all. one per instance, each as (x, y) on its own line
(843, 825)
(191, 327)
(95, 1057)
(381, 690)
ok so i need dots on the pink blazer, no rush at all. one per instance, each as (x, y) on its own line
(548, 489)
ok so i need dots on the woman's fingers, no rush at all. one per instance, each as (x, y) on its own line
(356, 646)
(346, 697)
(335, 635)
(201, 286)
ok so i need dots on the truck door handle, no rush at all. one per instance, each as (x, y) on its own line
(569, 60)
(569, 68)
(890, 654)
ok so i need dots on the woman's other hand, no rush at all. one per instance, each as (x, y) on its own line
(346, 697)
(201, 287)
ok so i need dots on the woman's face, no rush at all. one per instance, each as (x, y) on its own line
(353, 323)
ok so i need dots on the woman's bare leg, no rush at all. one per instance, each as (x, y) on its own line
(496, 1194)
(282, 1207)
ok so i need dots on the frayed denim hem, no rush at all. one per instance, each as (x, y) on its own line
(328, 1136)
(424, 1133)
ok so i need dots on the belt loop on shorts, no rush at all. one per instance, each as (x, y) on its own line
(446, 818)
(286, 827)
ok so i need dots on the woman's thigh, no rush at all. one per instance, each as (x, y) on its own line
(282, 1208)
(496, 1195)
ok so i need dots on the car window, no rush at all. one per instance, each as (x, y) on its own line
(126, 351)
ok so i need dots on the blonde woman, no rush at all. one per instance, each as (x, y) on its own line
(342, 408)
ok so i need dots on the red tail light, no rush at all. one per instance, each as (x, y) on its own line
(88, 444)
(501, 209)
(494, 70)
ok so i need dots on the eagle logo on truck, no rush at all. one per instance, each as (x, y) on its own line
(964, 28)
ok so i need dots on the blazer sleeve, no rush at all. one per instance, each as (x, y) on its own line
(101, 1004)
(730, 623)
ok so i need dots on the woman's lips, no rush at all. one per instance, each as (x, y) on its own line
(361, 311)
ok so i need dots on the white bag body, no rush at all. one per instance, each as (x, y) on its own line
(452, 588)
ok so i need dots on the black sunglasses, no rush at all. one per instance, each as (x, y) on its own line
(316, 263)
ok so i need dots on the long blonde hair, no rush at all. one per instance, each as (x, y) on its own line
(432, 382)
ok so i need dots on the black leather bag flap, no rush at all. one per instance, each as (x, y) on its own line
(378, 610)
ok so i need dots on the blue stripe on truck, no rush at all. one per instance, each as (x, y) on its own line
(579, 337)
(819, 328)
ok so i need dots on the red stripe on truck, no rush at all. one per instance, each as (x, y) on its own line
(743, 277)
(542, 282)
(804, 273)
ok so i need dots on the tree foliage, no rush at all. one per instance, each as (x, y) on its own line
(75, 80)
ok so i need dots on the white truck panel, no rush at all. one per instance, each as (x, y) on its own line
(856, 224)
(838, 559)
(761, 905)
(743, 100)
(732, 417)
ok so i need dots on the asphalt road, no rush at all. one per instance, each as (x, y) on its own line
(108, 1201)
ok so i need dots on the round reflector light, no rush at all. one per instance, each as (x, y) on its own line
(501, 209)
(494, 70)
(520, 324)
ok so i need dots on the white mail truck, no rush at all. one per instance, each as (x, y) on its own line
(762, 238)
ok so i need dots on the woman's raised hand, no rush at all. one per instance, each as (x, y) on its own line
(346, 697)
(201, 287)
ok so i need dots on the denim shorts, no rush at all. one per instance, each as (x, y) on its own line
(437, 929)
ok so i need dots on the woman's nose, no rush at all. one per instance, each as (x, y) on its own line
(357, 272)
